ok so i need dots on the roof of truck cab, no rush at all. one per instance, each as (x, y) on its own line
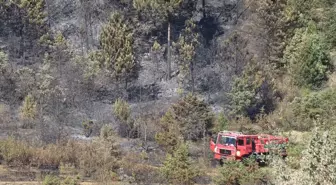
(259, 136)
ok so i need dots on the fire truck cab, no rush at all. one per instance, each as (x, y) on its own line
(228, 145)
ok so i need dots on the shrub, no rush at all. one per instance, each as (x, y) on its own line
(330, 28)
(15, 153)
(87, 125)
(70, 181)
(28, 111)
(99, 159)
(5, 115)
(190, 118)
(122, 111)
(308, 60)
(252, 93)
(51, 180)
(221, 123)
(139, 169)
(317, 165)
(117, 59)
(295, 155)
(319, 158)
(177, 168)
(237, 173)
(313, 106)
(106, 131)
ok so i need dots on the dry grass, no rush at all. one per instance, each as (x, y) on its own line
(94, 160)
(39, 183)
(298, 137)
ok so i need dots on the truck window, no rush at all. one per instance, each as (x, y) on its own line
(240, 142)
(223, 140)
(214, 138)
(248, 141)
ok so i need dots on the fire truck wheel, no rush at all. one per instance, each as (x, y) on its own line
(221, 162)
(215, 163)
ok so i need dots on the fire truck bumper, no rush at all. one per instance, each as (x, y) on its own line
(223, 157)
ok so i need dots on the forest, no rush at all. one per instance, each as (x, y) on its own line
(131, 91)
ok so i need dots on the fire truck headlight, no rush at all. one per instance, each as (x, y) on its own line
(238, 153)
(216, 149)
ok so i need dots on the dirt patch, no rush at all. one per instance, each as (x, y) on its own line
(14, 174)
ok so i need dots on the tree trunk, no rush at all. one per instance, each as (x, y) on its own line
(204, 141)
(169, 54)
(192, 76)
(203, 7)
(48, 13)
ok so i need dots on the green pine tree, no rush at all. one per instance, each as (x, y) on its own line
(308, 58)
(28, 111)
(164, 10)
(252, 92)
(177, 168)
(186, 47)
(35, 10)
(115, 56)
(319, 160)
(122, 111)
(188, 119)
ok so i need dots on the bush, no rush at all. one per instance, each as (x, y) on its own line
(190, 118)
(49, 156)
(317, 165)
(100, 159)
(238, 173)
(15, 153)
(122, 111)
(313, 106)
(177, 168)
(28, 111)
(88, 125)
(139, 169)
(5, 116)
(308, 59)
(106, 132)
(51, 180)
(331, 25)
(252, 93)
(221, 123)
(70, 181)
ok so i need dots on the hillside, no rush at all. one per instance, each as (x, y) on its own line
(130, 91)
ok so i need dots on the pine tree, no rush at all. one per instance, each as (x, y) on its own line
(122, 111)
(164, 10)
(24, 19)
(318, 164)
(186, 47)
(319, 159)
(51, 92)
(252, 92)
(115, 55)
(28, 111)
(177, 168)
(188, 119)
(275, 29)
(35, 10)
(308, 58)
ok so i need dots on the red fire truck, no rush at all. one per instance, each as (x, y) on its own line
(229, 145)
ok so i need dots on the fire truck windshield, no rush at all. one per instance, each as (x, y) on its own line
(223, 140)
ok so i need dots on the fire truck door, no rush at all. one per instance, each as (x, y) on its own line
(253, 145)
(249, 145)
(213, 142)
(241, 147)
